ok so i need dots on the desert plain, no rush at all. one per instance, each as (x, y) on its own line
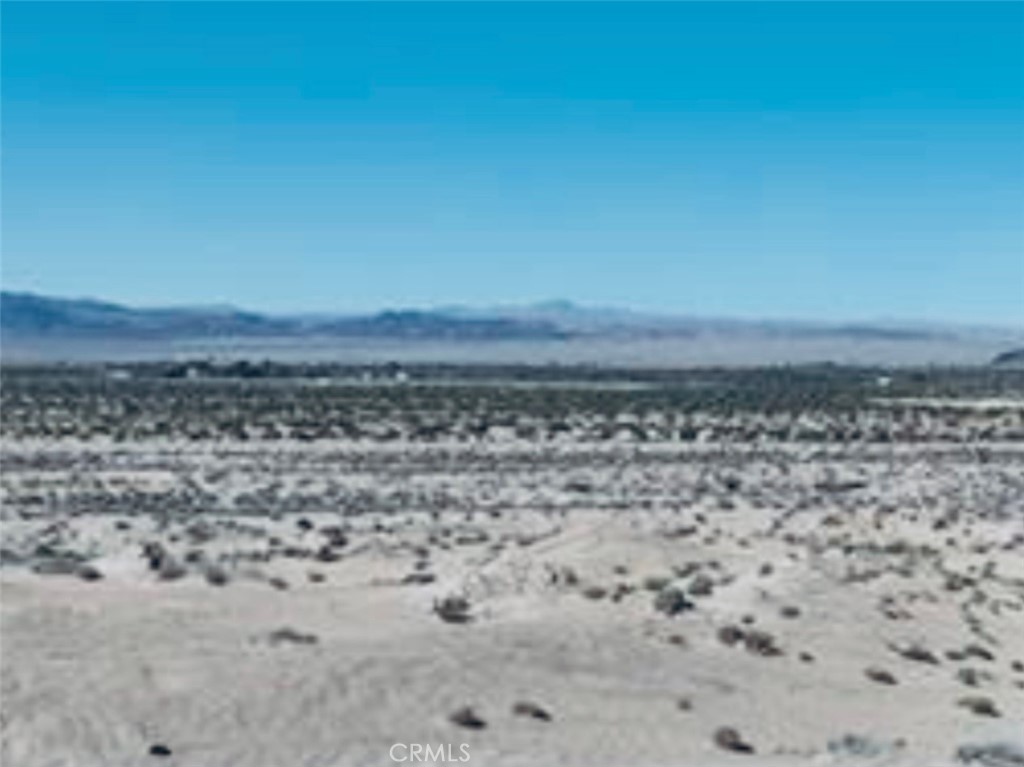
(287, 567)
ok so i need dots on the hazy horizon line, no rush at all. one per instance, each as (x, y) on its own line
(539, 304)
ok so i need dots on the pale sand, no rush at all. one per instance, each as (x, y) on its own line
(94, 673)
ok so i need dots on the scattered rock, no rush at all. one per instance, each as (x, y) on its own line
(980, 705)
(565, 576)
(701, 586)
(201, 532)
(471, 538)
(970, 676)
(917, 653)
(291, 636)
(466, 717)
(532, 710)
(335, 536)
(761, 643)
(979, 652)
(216, 575)
(326, 554)
(730, 635)
(656, 582)
(89, 573)
(154, 554)
(621, 590)
(595, 592)
(170, 569)
(686, 570)
(453, 609)
(880, 675)
(672, 601)
(729, 739)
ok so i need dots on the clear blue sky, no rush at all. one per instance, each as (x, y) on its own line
(820, 160)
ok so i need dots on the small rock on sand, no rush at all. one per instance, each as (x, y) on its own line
(532, 710)
(453, 609)
(216, 575)
(761, 643)
(467, 717)
(701, 586)
(291, 636)
(728, 738)
(170, 569)
(89, 573)
(917, 653)
(730, 635)
(880, 675)
(980, 705)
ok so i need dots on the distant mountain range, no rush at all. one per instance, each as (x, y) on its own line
(27, 316)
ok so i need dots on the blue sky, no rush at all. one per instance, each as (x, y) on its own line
(818, 160)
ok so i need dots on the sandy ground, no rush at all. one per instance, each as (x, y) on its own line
(280, 604)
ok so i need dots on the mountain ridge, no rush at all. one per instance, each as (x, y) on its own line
(27, 315)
